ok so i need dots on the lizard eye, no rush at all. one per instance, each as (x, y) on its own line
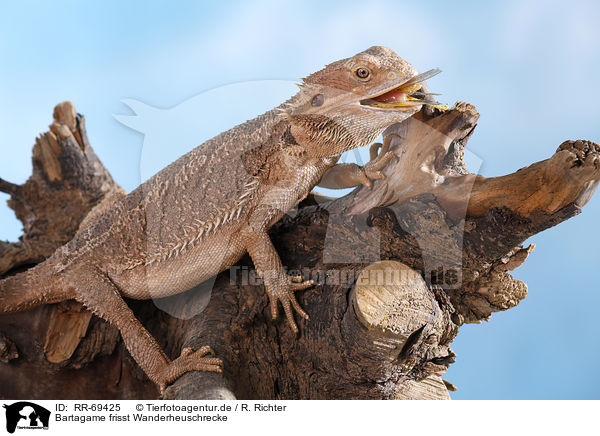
(362, 73)
(317, 100)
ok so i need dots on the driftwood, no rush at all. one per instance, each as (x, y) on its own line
(400, 268)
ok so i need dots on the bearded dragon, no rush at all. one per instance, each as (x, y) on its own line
(201, 214)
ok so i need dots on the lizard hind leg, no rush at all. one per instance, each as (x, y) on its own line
(34, 287)
(99, 294)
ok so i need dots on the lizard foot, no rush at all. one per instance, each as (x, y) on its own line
(283, 291)
(372, 169)
(190, 360)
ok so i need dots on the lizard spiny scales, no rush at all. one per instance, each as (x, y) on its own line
(199, 215)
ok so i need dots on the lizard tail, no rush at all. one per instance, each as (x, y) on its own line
(34, 287)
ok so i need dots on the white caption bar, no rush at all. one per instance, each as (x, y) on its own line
(462, 418)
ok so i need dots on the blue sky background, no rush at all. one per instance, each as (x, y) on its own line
(531, 68)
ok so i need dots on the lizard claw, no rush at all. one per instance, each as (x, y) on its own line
(372, 170)
(187, 351)
(201, 352)
(285, 294)
(375, 152)
(189, 360)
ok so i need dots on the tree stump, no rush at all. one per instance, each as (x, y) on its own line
(399, 268)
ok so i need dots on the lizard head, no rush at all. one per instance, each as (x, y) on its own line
(350, 102)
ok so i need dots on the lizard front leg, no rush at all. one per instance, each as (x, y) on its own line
(350, 175)
(279, 285)
(99, 294)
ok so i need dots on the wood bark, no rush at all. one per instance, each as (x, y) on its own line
(399, 269)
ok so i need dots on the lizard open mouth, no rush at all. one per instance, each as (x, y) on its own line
(408, 94)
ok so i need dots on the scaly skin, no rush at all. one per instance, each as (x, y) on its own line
(199, 215)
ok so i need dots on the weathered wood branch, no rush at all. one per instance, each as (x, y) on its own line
(400, 268)
(68, 181)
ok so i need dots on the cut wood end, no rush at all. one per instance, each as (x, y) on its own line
(391, 296)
